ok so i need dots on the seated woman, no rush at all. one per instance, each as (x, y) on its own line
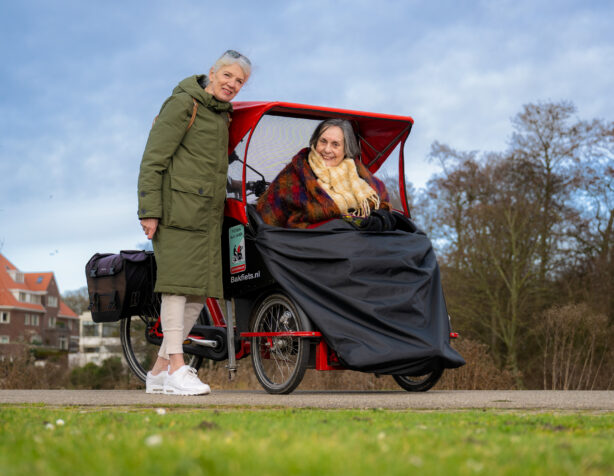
(378, 302)
(323, 182)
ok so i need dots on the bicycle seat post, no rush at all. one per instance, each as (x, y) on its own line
(232, 363)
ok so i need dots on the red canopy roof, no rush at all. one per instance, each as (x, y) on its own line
(378, 134)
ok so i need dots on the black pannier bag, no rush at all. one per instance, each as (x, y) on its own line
(120, 285)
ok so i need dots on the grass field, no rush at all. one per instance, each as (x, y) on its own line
(241, 441)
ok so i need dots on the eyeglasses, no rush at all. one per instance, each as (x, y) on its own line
(236, 55)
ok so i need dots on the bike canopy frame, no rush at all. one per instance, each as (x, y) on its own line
(378, 135)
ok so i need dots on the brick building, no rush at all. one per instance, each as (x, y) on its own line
(32, 313)
(97, 342)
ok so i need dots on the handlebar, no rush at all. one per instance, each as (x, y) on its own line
(257, 187)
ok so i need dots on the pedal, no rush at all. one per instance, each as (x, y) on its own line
(203, 342)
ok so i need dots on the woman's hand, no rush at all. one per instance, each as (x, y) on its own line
(149, 225)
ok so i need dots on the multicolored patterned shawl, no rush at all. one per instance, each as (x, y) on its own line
(295, 199)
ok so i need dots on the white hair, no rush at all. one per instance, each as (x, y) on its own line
(233, 57)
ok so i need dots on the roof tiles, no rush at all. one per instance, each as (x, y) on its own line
(36, 282)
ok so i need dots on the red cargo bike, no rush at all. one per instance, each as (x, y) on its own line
(268, 315)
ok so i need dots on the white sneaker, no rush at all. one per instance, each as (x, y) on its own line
(155, 383)
(185, 382)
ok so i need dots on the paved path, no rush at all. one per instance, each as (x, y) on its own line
(396, 400)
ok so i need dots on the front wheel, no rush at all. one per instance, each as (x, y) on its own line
(420, 383)
(279, 361)
(141, 343)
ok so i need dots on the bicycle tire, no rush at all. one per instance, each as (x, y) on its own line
(279, 362)
(419, 383)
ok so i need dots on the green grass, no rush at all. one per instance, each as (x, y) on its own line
(192, 441)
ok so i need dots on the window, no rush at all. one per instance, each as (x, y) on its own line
(110, 329)
(32, 320)
(36, 340)
(73, 344)
(16, 276)
(52, 321)
(27, 297)
(52, 301)
(4, 339)
(63, 341)
(90, 329)
(5, 317)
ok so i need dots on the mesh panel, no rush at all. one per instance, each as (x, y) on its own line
(389, 174)
(276, 140)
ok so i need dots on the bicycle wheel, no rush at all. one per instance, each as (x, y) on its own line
(140, 344)
(279, 362)
(420, 383)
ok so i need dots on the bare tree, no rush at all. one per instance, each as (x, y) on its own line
(491, 246)
(575, 349)
(550, 144)
(392, 186)
(509, 225)
(443, 206)
(595, 233)
(78, 300)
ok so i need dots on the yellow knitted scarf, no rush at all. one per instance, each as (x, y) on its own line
(343, 184)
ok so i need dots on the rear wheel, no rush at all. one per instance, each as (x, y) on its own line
(420, 383)
(141, 353)
(279, 362)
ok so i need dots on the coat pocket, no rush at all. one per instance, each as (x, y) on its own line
(190, 203)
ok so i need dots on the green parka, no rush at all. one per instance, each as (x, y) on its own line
(182, 181)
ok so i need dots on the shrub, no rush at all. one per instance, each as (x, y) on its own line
(110, 375)
(480, 371)
(576, 352)
(22, 372)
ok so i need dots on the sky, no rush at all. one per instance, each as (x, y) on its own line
(82, 81)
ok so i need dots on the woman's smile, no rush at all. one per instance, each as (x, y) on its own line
(226, 82)
(331, 146)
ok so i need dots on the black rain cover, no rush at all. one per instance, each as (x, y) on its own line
(375, 296)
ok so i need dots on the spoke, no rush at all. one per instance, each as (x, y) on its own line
(281, 362)
(278, 360)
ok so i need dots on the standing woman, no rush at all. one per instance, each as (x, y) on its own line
(181, 192)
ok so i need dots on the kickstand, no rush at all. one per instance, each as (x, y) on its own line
(230, 333)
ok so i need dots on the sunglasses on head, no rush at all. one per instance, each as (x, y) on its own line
(236, 55)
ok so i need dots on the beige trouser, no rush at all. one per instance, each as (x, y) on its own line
(178, 314)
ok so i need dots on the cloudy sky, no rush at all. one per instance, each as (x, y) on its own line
(82, 80)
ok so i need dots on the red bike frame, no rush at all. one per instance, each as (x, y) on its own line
(325, 359)
(380, 134)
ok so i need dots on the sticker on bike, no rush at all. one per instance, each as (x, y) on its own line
(236, 238)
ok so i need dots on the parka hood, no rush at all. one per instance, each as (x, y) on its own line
(190, 85)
